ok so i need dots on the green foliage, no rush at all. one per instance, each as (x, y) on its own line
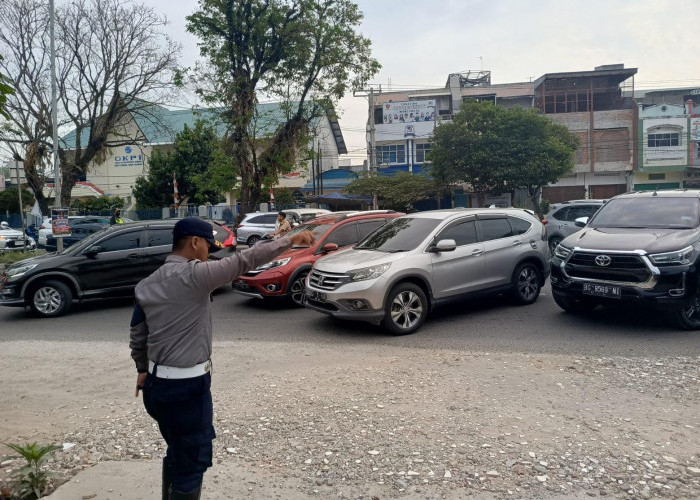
(498, 149)
(283, 197)
(399, 192)
(31, 479)
(5, 90)
(9, 200)
(203, 170)
(101, 204)
(12, 257)
(304, 53)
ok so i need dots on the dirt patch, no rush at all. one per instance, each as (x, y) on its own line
(392, 422)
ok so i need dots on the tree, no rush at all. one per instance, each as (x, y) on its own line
(498, 149)
(203, 170)
(24, 39)
(113, 62)
(101, 204)
(5, 90)
(9, 200)
(399, 192)
(304, 53)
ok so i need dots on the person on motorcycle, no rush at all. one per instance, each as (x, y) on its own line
(283, 228)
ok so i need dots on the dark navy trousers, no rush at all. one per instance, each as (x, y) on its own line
(184, 412)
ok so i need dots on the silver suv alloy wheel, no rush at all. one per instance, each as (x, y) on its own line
(406, 309)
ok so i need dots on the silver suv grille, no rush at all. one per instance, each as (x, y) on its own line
(327, 281)
(629, 268)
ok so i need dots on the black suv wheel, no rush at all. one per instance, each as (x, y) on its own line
(687, 318)
(50, 298)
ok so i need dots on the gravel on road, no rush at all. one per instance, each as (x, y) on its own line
(363, 422)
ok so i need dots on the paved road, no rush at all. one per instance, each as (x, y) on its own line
(489, 325)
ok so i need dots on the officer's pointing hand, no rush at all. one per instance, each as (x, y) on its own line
(303, 239)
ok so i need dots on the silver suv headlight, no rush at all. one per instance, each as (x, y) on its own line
(562, 252)
(13, 272)
(368, 273)
(684, 256)
(274, 263)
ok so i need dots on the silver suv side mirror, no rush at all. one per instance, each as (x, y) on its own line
(581, 221)
(444, 246)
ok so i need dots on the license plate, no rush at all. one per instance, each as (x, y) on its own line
(317, 296)
(601, 290)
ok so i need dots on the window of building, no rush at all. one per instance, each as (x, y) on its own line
(657, 177)
(421, 151)
(391, 154)
(663, 140)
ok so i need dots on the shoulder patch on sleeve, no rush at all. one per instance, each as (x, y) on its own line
(137, 316)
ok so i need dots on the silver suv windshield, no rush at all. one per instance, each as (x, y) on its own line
(644, 212)
(399, 235)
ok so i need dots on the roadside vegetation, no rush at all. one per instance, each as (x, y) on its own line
(7, 258)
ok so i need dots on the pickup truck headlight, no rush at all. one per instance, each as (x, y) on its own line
(13, 272)
(274, 263)
(562, 252)
(369, 273)
(683, 256)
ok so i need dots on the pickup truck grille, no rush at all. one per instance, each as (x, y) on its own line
(623, 267)
(327, 281)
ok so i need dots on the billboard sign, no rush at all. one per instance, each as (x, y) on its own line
(131, 157)
(409, 111)
(59, 222)
(695, 129)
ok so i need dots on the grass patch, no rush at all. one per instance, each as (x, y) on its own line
(11, 257)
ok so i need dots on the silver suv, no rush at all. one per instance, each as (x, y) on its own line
(560, 221)
(254, 226)
(412, 263)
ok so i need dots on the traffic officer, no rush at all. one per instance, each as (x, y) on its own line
(116, 217)
(171, 343)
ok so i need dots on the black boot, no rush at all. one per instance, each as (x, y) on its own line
(167, 478)
(192, 495)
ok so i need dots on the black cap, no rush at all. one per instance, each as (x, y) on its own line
(194, 226)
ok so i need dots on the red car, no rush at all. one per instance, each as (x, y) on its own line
(284, 276)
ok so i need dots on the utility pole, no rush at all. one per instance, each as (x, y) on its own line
(21, 208)
(54, 120)
(370, 93)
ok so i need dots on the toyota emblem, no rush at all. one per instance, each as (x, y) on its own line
(603, 260)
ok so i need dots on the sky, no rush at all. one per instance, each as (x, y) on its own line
(420, 42)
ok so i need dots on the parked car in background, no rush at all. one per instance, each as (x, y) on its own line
(223, 234)
(254, 226)
(107, 263)
(640, 248)
(285, 276)
(79, 231)
(13, 239)
(298, 216)
(400, 272)
(560, 221)
(45, 230)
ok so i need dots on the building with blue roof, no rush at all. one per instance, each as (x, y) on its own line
(155, 128)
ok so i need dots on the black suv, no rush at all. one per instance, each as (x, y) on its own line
(641, 247)
(107, 263)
